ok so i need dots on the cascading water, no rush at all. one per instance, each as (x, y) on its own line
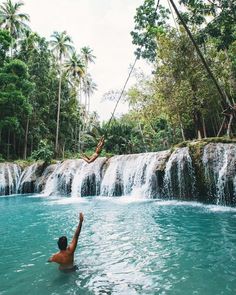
(75, 177)
(9, 177)
(219, 161)
(41, 181)
(133, 174)
(29, 178)
(59, 182)
(161, 174)
(87, 179)
(179, 179)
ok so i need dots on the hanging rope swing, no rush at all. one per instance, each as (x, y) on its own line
(220, 91)
(102, 139)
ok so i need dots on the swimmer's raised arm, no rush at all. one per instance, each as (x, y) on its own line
(74, 242)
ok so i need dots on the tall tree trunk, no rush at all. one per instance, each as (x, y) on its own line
(14, 141)
(221, 127)
(141, 132)
(199, 135)
(12, 45)
(181, 128)
(85, 111)
(31, 144)
(80, 146)
(229, 125)
(8, 144)
(63, 150)
(204, 127)
(213, 126)
(76, 137)
(88, 104)
(197, 122)
(26, 139)
(58, 109)
(210, 73)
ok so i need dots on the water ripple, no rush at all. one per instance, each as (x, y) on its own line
(125, 247)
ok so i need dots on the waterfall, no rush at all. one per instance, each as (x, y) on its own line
(219, 162)
(179, 179)
(41, 181)
(29, 178)
(133, 174)
(59, 182)
(163, 174)
(87, 179)
(75, 177)
(9, 177)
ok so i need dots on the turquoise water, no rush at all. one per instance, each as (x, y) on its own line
(126, 247)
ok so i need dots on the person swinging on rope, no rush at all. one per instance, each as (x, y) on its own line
(97, 152)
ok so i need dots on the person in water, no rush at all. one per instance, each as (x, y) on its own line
(65, 257)
(97, 152)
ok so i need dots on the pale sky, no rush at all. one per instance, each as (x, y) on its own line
(104, 26)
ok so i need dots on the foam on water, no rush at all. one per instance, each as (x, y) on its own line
(124, 199)
(64, 201)
(220, 209)
(160, 202)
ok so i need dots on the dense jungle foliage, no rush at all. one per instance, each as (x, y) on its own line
(45, 85)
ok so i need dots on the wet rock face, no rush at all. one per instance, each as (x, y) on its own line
(29, 178)
(158, 180)
(41, 181)
(88, 186)
(179, 178)
(219, 162)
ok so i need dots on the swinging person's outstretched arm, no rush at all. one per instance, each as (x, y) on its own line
(84, 156)
(91, 159)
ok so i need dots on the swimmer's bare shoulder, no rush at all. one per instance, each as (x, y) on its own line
(65, 257)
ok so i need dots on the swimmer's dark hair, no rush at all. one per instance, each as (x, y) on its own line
(62, 243)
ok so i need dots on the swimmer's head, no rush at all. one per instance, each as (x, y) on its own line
(62, 243)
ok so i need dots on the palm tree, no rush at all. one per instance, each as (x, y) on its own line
(27, 44)
(88, 89)
(89, 86)
(12, 20)
(88, 57)
(75, 68)
(61, 44)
